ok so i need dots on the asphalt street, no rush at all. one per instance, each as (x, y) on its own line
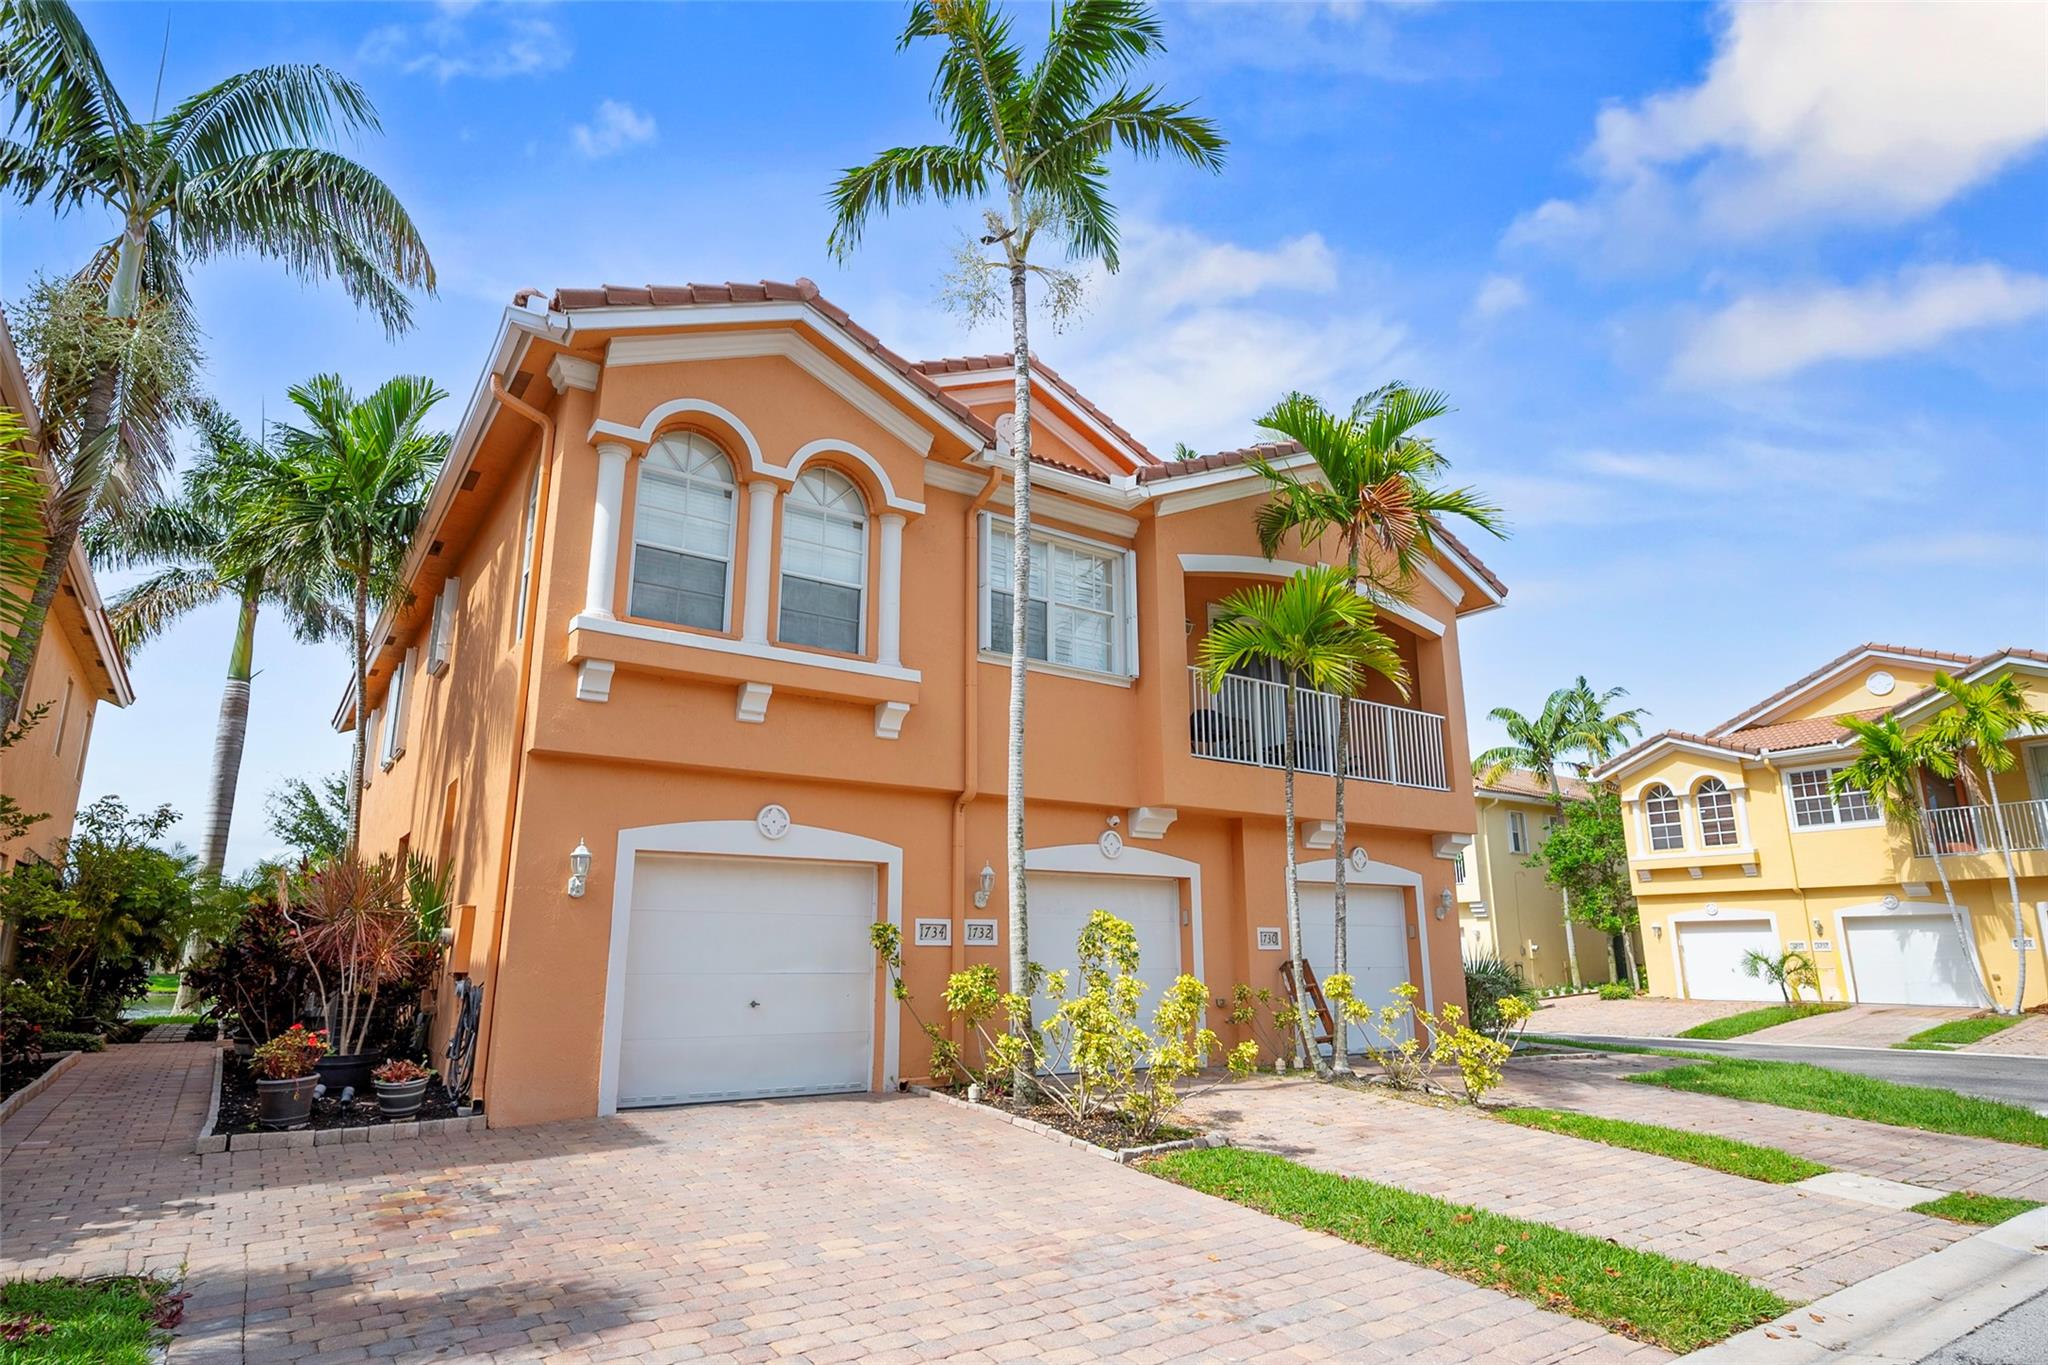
(2016, 1080)
(2018, 1336)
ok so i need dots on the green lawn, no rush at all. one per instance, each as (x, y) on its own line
(163, 981)
(113, 1321)
(1700, 1149)
(1674, 1304)
(1984, 1209)
(1749, 1021)
(1634, 1049)
(1959, 1032)
(1796, 1085)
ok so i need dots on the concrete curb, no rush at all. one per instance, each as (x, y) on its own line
(234, 1144)
(1123, 1156)
(38, 1085)
(220, 1060)
(1909, 1311)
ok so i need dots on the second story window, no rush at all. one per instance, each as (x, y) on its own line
(1716, 807)
(683, 533)
(1075, 610)
(1815, 805)
(1660, 813)
(1518, 832)
(824, 563)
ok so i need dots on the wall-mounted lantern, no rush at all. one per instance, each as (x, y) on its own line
(988, 884)
(579, 870)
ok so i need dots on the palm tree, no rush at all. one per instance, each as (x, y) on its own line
(1887, 766)
(1030, 145)
(1374, 492)
(1978, 720)
(348, 494)
(1574, 724)
(241, 167)
(21, 518)
(1321, 632)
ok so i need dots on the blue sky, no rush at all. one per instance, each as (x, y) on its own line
(1745, 314)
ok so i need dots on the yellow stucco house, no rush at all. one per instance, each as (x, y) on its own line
(1505, 907)
(1737, 842)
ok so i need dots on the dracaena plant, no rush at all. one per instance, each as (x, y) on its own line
(357, 931)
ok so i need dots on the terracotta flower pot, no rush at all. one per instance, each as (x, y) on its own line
(401, 1099)
(285, 1104)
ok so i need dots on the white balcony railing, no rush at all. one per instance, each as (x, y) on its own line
(1245, 722)
(1974, 829)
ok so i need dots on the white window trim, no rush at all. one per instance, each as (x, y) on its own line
(526, 554)
(1785, 776)
(1699, 824)
(1124, 623)
(732, 524)
(397, 709)
(866, 584)
(441, 637)
(1518, 832)
(1650, 849)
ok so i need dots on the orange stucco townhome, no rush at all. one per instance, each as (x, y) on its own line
(712, 586)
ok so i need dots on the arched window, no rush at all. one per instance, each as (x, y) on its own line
(824, 562)
(1716, 807)
(682, 534)
(1660, 811)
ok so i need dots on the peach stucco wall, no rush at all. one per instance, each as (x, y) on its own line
(42, 771)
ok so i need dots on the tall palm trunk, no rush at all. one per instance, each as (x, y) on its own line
(1023, 1082)
(2012, 886)
(1956, 915)
(1306, 1052)
(1564, 896)
(1340, 1033)
(1628, 951)
(359, 752)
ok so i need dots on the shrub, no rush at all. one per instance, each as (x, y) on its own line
(256, 976)
(26, 1012)
(1488, 981)
(1617, 990)
(358, 936)
(1409, 1060)
(399, 1071)
(68, 1040)
(291, 1054)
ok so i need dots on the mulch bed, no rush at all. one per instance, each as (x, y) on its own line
(20, 1075)
(238, 1104)
(1103, 1128)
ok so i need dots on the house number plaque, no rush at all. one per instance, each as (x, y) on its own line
(1269, 940)
(981, 933)
(933, 933)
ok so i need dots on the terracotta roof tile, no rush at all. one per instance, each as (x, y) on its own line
(1519, 783)
(1831, 665)
(972, 363)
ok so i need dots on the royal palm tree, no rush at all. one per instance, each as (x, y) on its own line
(1374, 491)
(242, 167)
(348, 494)
(1029, 144)
(1321, 632)
(21, 519)
(1967, 739)
(1887, 766)
(1575, 726)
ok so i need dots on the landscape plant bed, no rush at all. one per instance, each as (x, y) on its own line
(1983, 1210)
(1674, 1304)
(1958, 1033)
(115, 1320)
(238, 1105)
(1798, 1085)
(1107, 1134)
(1745, 1159)
(1754, 1021)
(22, 1075)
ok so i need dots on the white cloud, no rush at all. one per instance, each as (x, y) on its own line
(1766, 335)
(1499, 294)
(1815, 113)
(1960, 549)
(616, 127)
(503, 41)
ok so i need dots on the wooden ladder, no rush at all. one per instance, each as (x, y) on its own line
(1328, 1037)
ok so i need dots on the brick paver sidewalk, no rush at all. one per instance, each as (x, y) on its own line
(2027, 1038)
(1800, 1244)
(885, 1229)
(1860, 1025)
(1593, 1084)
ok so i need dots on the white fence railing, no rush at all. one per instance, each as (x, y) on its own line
(1974, 829)
(1245, 722)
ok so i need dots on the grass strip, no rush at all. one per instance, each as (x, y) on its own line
(111, 1321)
(1982, 1209)
(147, 1021)
(1634, 1049)
(1958, 1033)
(1750, 1021)
(1675, 1304)
(1745, 1159)
(1798, 1085)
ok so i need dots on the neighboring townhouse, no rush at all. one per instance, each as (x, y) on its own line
(1738, 843)
(1506, 909)
(78, 665)
(710, 609)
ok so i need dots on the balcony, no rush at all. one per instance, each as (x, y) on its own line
(1245, 723)
(1964, 830)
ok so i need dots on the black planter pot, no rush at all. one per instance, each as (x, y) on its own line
(401, 1099)
(344, 1070)
(285, 1104)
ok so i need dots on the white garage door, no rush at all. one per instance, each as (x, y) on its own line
(1375, 944)
(1059, 906)
(1908, 960)
(747, 977)
(1710, 952)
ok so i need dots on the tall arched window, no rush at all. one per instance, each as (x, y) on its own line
(1660, 812)
(1716, 807)
(824, 562)
(682, 534)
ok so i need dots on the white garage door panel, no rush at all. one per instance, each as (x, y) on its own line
(1909, 960)
(1711, 955)
(747, 977)
(1060, 904)
(1375, 944)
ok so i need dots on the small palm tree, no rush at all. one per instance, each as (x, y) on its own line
(1030, 143)
(243, 167)
(1789, 972)
(1968, 739)
(1320, 631)
(1887, 766)
(348, 494)
(1375, 494)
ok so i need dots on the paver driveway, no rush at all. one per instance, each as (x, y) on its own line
(821, 1230)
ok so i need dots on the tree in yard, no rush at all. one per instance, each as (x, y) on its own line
(311, 820)
(243, 167)
(1586, 858)
(1375, 493)
(1789, 972)
(1967, 739)
(1030, 144)
(1887, 767)
(1576, 725)
(347, 495)
(1322, 633)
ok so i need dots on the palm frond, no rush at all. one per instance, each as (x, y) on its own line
(1092, 41)
(62, 94)
(901, 175)
(147, 609)
(269, 109)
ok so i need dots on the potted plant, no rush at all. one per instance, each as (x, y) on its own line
(401, 1087)
(287, 1069)
(352, 919)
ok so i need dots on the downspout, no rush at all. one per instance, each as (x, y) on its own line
(970, 728)
(487, 1035)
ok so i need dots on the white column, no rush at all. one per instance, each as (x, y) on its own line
(889, 628)
(604, 529)
(760, 556)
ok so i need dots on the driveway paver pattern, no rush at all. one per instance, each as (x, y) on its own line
(1802, 1245)
(1646, 1017)
(1860, 1025)
(857, 1228)
(2027, 1038)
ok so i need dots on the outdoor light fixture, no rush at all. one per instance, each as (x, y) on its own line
(1819, 928)
(1656, 931)
(579, 870)
(1443, 903)
(988, 882)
